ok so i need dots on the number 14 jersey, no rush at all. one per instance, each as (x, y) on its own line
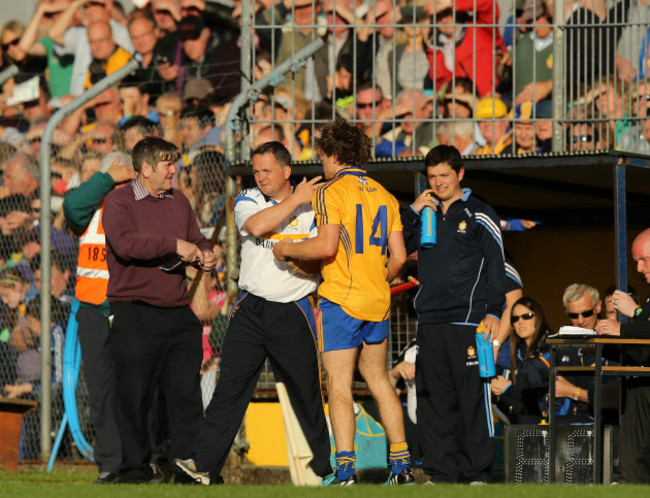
(355, 278)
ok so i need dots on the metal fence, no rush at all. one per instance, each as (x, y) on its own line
(507, 77)
(489, 77)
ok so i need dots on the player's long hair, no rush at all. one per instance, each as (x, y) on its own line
(344, 141)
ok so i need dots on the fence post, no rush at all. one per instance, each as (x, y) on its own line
(8, 73)
(46, 229)
(559, 106)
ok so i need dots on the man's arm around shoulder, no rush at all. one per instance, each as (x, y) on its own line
(267, 219)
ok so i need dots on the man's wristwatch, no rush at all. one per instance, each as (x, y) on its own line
(576, 396)
(637, 313)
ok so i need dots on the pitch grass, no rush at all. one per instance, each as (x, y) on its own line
(74, 485)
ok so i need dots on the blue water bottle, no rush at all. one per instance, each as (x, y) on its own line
(485, 354)
(428, 233)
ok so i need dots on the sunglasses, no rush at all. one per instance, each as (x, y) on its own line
(526, 316)
(12, 43)
(590, 136)
(581, 138)
(365, 105)
(585, 314)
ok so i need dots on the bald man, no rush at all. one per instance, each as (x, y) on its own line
(21, 174)
(639, 326)
(107, 55)
(635, 437)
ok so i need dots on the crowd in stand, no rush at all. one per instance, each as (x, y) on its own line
(411, 74)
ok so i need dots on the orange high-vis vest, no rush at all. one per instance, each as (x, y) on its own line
(92, 270)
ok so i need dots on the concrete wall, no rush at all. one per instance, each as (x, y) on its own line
(549, 259)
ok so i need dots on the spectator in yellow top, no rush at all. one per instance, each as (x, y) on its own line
(107, 55)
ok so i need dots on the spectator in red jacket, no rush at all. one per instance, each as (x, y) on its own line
(467, 51)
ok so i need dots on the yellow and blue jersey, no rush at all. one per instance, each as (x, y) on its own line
(355, 278)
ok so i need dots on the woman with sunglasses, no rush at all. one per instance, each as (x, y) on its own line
(523, 396)
(524, 385)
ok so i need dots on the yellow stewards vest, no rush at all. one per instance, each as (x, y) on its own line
(92, 270)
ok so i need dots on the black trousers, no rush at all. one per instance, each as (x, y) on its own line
(452, 400)
(156, 346)
(259, 329)
(99, 371)
(634, 455)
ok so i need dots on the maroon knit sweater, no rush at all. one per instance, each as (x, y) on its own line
(141, 235)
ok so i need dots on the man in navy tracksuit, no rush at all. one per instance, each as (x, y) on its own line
(462, 285)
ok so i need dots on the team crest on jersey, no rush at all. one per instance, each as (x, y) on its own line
(364, 185)
(293, 222)
(462, 226)
(472, 359)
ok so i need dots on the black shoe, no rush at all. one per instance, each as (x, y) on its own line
(157, 476)
(216, 480)
(404, 478)
(108, 478)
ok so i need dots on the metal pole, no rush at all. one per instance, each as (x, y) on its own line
(231, 236)
(246, 70)
(46, 229)
(275, 77)
(8, 73)
(620, 228)
(559, 107)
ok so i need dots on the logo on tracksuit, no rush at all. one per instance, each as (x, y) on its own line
(472, 359)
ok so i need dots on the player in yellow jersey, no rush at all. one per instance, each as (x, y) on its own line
(361, 247)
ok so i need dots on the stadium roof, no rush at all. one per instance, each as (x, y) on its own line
(557, 189)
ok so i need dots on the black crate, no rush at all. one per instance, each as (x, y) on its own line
(527, 450)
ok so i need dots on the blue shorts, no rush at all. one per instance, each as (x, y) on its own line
(338, 330)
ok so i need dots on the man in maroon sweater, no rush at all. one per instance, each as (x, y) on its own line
(156, 336)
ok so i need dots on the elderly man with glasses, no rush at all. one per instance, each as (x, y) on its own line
(582, 304)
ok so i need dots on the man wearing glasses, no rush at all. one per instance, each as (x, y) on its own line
(583, 136)
(167, 14)
(582, 304)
